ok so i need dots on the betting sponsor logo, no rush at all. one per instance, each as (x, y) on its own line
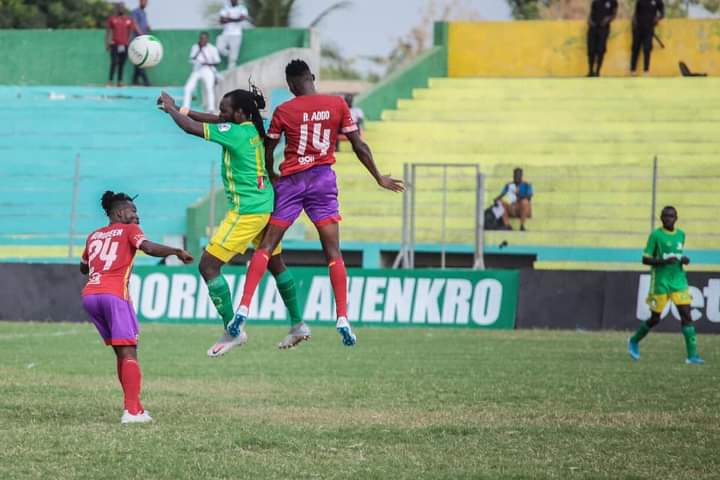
(705, 301)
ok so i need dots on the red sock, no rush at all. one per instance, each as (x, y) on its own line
(255, 272)
(338, 279)
(131, 381)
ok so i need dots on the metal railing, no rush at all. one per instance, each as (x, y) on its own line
(421, 189)
(444, 205)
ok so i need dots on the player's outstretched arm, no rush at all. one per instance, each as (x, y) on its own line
(363, 153)
(167, 103)
(158, 250)
(203, 117)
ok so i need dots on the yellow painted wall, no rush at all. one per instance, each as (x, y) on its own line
(558, 48)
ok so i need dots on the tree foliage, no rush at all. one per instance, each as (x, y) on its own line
(420, 36)
(54, 13)
(271, 13)
(526, 9)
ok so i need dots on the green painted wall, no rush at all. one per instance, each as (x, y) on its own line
(78, 57)
(400, 84)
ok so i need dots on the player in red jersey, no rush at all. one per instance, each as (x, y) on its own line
(311, 123)
(107, 260)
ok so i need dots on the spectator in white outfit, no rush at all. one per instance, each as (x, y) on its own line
(204, 57)
(228, 43)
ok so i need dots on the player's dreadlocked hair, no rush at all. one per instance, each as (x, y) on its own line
(250, 103)
(110, 198)
(297, 68)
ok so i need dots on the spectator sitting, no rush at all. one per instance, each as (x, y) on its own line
(516, 197)
(117, 39)
(141, 23)
(204, 57)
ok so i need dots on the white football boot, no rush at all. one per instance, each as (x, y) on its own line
(298, 333)
(343, 327)
(226, 343)
(143, 417)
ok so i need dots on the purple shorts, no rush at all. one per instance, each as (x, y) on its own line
(313, 190)
(113, 317)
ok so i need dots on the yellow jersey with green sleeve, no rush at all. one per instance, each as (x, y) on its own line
(247, 186)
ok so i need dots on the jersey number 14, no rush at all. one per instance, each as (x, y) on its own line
(320, 138)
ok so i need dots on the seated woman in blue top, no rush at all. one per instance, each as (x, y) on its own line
(516, 197)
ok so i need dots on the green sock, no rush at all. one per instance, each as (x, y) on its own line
(640, 333)
(286, 286)
(688, 332)
(220, 296)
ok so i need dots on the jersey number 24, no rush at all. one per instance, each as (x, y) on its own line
(107, 250)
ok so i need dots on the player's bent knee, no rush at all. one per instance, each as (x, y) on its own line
(209, 266)
(654, 320)
(276, 265)
(126, 351)
(272, 237)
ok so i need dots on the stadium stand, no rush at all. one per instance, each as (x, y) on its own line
(587, 147)
(123, 143)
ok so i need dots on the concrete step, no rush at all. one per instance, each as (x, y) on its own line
(464, 112)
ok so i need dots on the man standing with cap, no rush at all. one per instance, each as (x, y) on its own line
(602, 12)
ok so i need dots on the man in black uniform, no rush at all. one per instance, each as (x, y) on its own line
(647, 15)
(602, 12)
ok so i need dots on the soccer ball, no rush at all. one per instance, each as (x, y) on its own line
(145, 51)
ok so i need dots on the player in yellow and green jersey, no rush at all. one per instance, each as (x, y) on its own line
(664, 254)
(250, 197)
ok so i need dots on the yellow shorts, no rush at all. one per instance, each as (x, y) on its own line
(236, 232)
(658, 302)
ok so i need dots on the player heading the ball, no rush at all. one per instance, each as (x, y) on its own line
(239, 130)
(310, 123)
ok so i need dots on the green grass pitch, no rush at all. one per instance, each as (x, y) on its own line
(401, 404)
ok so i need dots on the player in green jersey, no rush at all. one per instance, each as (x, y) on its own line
(664, 254)
(240, 131)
